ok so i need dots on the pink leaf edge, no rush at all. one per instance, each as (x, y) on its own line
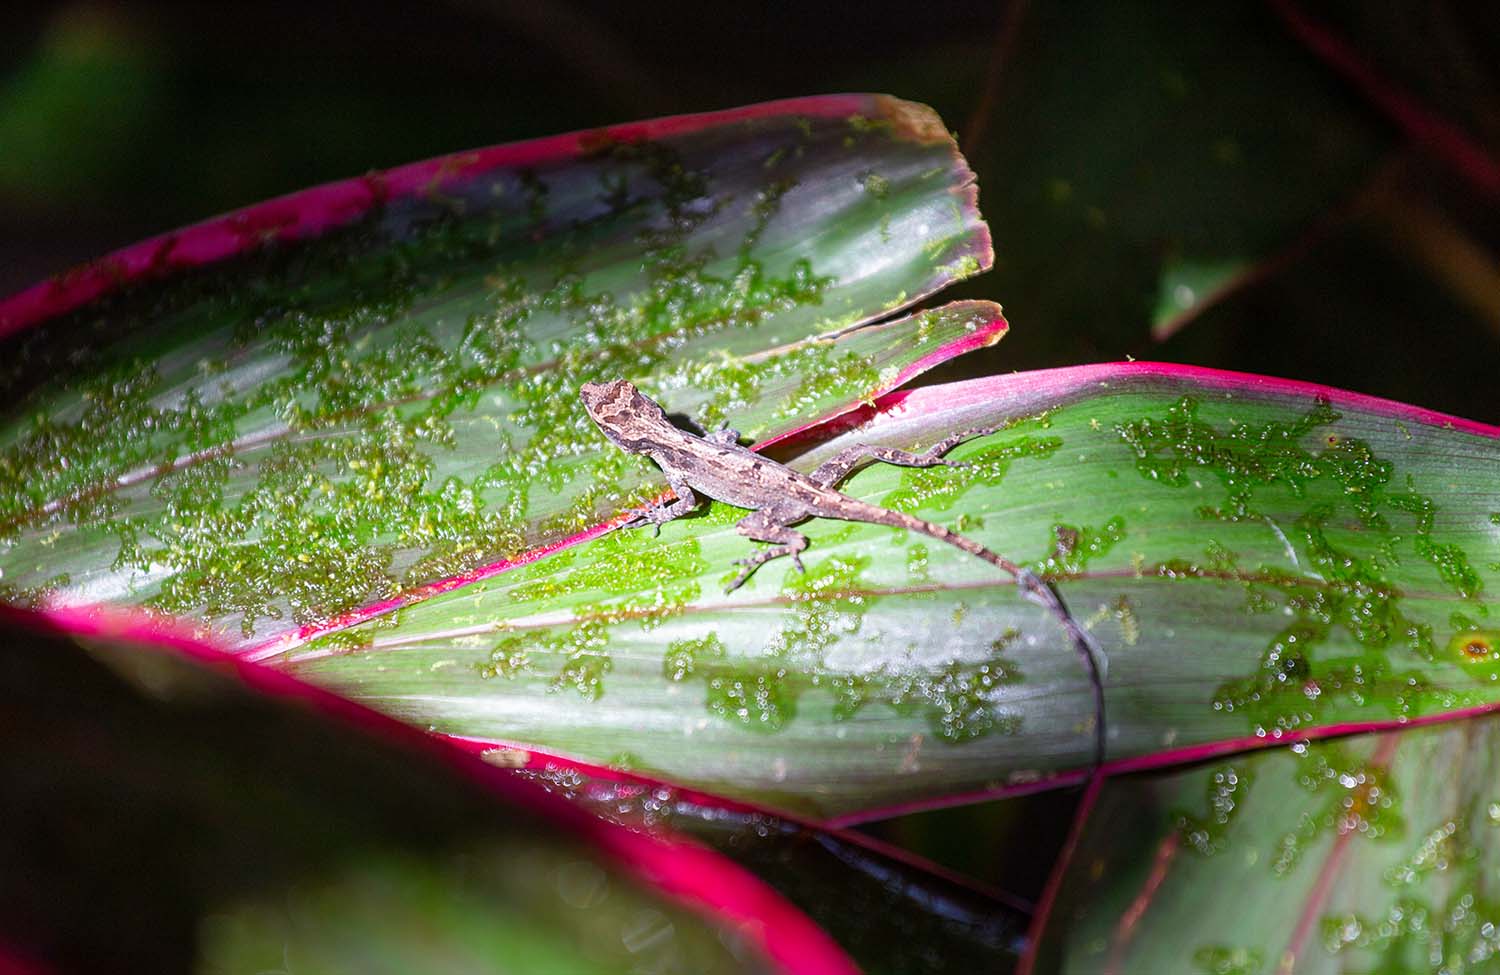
(1074, 380)
(1028, 386)
(307, 213)
(1439, 135)
(694, 876)
(1055, 877)
(987, 335)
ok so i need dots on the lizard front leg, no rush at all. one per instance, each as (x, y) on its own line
(657, 515)
(725, 436)
(835, 469)
(769, 524)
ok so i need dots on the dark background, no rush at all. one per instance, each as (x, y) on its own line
(1201, 169)
(1123, 148)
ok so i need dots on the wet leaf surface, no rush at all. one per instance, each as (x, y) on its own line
(273, 419)
(1260, 560)
(1369, 853)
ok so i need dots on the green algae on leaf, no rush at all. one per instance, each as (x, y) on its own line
(335, 408)
(1247, 554)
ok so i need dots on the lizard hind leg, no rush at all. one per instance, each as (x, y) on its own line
(769, 525)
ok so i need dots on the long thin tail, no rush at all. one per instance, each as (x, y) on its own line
(1037, 591)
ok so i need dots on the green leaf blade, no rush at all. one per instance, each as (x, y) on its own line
(900, 672)
(273, 419)
(1371, 852)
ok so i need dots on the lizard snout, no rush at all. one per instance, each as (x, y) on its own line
(605, 397)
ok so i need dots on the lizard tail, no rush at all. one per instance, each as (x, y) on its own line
(1043, 594)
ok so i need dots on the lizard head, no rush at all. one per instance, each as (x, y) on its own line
(626, 415)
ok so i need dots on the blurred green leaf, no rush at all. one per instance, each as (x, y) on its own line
(893, 912)
(1400, 295)
(168, 810)
(1187, 286)
(65, 113)
(1134, 139)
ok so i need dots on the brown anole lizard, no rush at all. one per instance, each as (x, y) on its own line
(718, 466)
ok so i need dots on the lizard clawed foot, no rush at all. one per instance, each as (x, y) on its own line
(750, 565)
(725, 436)
(766, 556)
(641, 517)
(753, 562)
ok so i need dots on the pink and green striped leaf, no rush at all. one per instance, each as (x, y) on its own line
(326, 402)
(169, 807)
(1374, 853)
(1260, 560)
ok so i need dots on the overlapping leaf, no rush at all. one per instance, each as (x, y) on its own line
(168, 808)
(1371, 853)
(1192, 154)
(892, 912)
(319, 403)
(1258, 559)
